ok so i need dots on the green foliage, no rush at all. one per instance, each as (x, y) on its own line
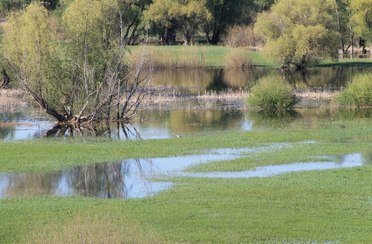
(237, 58)
(359, 92)
(361, 19)
(297, 33)
(74, 75)
(272, 94)
(29, 47)
(172, 15)
(226, 13)
(7, 6)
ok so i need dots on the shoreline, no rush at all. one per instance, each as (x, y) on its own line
(210, 100)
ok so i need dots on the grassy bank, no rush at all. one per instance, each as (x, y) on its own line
(196, 56)
(319, 206)
(215, 56)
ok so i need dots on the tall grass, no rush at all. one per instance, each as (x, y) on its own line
(237, 58)
(272, 94)
(358, 93)
(193, 58)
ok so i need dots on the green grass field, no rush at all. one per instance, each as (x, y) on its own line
(314, 206)
(207, 56)
(214, 56)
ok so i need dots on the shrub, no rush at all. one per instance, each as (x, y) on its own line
(242, 36)
(194, 57)
(237, 58)
(272, 94)
(358, 93)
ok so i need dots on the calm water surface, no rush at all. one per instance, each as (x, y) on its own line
(138, 178)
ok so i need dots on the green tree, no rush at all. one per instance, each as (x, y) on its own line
(297, 33)
(9, 5)
(176, 15)
(343, 18)
(226, 13)
(80, 78)
(361, 18)
(29, 49)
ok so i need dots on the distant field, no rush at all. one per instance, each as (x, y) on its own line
(215, 56)
(207, 56)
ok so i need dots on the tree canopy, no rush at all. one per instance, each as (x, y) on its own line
(361, 18)
(297, 33)
(78, 76)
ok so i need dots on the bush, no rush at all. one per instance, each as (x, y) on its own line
(242, 36)
(237, 58)
(272, 94)
(358, 93)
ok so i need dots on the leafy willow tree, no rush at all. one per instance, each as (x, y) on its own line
(81, 78)
(298, 33)
(361, 18)
(225, 13)
(177, 15)
(343, 18)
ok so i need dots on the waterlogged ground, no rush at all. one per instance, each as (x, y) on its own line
(216, 175)
(158, 124)
(304, 184)
(138, 178)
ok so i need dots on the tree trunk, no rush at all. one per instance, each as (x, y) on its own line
(6, 79)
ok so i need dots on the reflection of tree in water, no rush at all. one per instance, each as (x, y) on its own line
(100, 180)
(8, 120)
(218, 82)
(110, 130)
(196, 120)
(273, 120)
(6, 131)
(30, 184)
(326, 78)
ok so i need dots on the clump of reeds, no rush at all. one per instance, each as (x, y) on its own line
(242, 36)
(194, 58)
(358, 93)
(237, 58)
(272, 94)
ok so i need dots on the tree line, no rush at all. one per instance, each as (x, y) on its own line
(169, 18)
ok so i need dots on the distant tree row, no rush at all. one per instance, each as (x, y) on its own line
(170, 18)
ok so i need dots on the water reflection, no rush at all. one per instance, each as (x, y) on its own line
(196, 81)
(134, 178)
(160, 124)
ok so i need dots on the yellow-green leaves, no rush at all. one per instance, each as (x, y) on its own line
(299, 31)
(361, 19)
